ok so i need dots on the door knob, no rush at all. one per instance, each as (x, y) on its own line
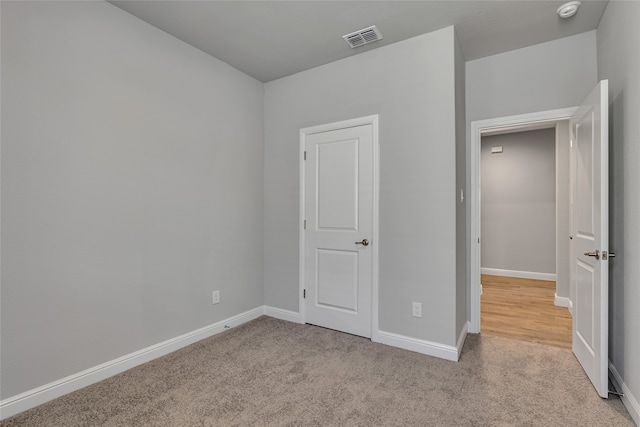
(595, 254)
(364, 242)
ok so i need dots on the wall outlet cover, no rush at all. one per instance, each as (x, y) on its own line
(416, 309)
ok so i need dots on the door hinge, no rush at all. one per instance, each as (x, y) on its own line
(304, 293)
(305, 224)
(305, 155)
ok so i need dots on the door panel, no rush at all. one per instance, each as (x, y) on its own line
(337, 281)
(337, 185)
(590, 268)
(584, 298)
(339, 213)
(584, 180)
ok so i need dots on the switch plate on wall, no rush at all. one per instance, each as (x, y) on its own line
(416, 310)
(216, 297)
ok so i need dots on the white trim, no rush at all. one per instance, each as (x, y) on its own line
(561, 301)
(461, 338)
(376, 224)
(394, 340)
(372, 120)
(629, 400)
(429, 348)
(479, 127)
(39, 395)
(301, 228)
(278, 313)
(519, 274)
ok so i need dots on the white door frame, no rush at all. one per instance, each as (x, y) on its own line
(375, 240)
(478, 127)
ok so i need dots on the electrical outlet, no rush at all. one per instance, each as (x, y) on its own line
(216, 297)
(416, 309)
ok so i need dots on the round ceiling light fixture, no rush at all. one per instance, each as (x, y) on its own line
(567, 10)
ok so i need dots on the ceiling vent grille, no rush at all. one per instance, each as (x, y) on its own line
(362, 37)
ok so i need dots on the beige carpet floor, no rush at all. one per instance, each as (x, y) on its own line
(274, 373)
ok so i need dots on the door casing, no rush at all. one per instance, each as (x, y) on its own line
(509, 123)
(304, 132)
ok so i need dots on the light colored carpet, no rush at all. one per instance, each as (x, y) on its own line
(270, 372)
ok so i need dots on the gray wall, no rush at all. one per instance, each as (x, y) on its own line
(542, 77)
(411, 86)
(619, 61)
(132, 170)
(518, 202)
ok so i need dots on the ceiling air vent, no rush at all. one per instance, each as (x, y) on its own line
(362, 37)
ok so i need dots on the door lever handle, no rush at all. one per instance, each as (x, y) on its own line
(595, 254)
(364, 242)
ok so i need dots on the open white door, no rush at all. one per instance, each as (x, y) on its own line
(590, 268)
(339, 203)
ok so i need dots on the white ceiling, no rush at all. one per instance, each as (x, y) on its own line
(273, 39)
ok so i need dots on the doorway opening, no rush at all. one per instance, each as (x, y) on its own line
(522, 205)
(558, 122)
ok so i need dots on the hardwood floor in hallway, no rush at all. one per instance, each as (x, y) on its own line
(524, 309)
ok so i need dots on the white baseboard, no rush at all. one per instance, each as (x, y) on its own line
(429, 348)
(519, 274)
(461, 338)
(37, 396)
(630, 402)
(278, 313)
(407, 343)
(561, 301)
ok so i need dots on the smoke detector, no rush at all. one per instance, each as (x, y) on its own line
(567, 10)
(362, 37)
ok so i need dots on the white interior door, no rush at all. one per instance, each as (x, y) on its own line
(339, 179)
(590, 269)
